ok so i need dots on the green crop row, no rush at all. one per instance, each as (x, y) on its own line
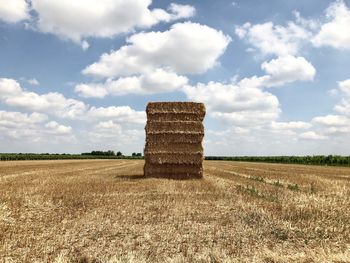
(331, 160)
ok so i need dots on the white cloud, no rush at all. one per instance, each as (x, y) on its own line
(254, 81)
(26, 127)
(337, 131)
(91, 90)
(344, 86)
(344, 106)
(56, 128)
(288, 69)
(181, 11)
(9, 87)
(121, 114)
(119, 128)
(13, 11)
(293, 125)
(117, 139)
(157, 81)
(331, 120)
(274, 39)
(311, 135)
(335, 32)
(33, 82)
(150, 62)
(103, 18)
(331, 30)
(236, 104)
(10, 119)
(55, 103)
(185, 48)
(280, 71)
(308, 24)
(118, 134)
(85, 45)
(108, 125)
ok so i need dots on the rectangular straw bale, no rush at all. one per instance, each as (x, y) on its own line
(179, 158)
(173, 147)
(174, 126)
(174, 134)
(173, 168)
(175, 138)
(172, 116)
(177, 175)
(176, 107)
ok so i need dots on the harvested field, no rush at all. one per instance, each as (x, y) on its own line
(106, 211)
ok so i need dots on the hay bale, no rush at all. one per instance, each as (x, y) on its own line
(173, 116)
(175, 138)
(174, 158)
(173, 147)
(174, 134)
(174, 171)
(176, 107)
(174, 126)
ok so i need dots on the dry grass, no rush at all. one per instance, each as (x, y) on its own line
(104, 211)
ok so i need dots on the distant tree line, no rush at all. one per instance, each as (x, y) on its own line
(103, 153)
(64, 156)
(332, 160)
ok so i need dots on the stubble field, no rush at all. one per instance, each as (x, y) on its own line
(105, 211)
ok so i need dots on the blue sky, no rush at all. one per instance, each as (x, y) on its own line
(76, 76)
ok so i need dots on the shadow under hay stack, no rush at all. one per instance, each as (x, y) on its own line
(174, 134)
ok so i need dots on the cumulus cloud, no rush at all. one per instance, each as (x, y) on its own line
(184, 48)
(311, 135)
(337, 131)
(236, 104)
(344, 87)
(331, 30)
(288, 69)
(104, 18)
(333, 126)
(33, 82)
(106, 125)
(280, 71)
(157, 81)
(55, 103)
(91, 90)
(274, 39)
(25, 127)
(343, 107)
(121, 114)
(97, 125)
(12, 11)
(331, 120)
(335, 31)
(151, 62)
(293, 125)
(10, 119)
(9, 87)
(56, 128)
(122, 129)
(181, 11)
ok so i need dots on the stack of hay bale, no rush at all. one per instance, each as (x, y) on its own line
(174, 134)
